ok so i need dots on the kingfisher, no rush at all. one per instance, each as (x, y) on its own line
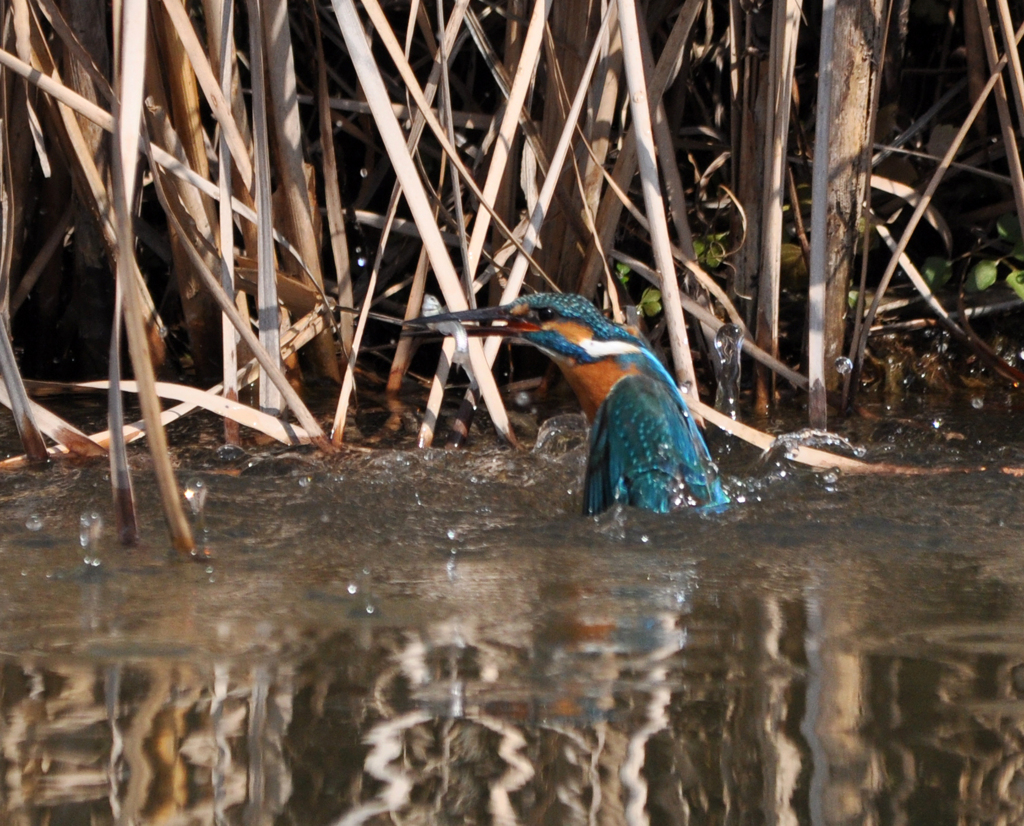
(645, 448)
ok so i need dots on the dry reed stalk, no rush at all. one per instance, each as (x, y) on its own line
(412, 186)
(390, 42)
(521, 81)
(446, 109)
(271, 367)
(817, 407)
(646, 160)
(125, 517)
(782, 60)
(531, 131)
(17, 399)
(703, 278)
(295, 198)
(216, 92)
(38, 266)
(404, 350)
(1015, 72)
(625, 164)
(674, 189)
(599, 141)
(70, 439)
(269, 325)
(125, 157)
(212, 401)
(24, 419)
(912, 197)
(1003, 108)
(86, 171)
(859, 346)
(292, 340)
(332, 192)
(531, 237)
(221, 23)
(412, 306)
(173, 88)
(713, 323)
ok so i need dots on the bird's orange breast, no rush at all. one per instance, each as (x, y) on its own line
(593, 382)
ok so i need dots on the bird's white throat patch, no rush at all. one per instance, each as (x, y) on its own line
(600, 349)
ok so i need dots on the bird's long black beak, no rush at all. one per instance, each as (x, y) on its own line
(478, 322)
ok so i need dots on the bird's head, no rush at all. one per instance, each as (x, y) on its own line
(565, 326)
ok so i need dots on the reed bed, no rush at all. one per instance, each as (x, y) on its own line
(230, 186)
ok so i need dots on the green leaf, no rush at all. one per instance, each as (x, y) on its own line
(650, 302)
(622, 271)
(982, 276)
(1008, 227)
(936, 271)
(1016, 281)
(851, 298)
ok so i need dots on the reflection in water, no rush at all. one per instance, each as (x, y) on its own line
(840, 653)
(765, 709)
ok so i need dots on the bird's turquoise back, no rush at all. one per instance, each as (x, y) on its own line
(646, 451)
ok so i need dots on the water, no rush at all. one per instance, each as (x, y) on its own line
(437, 637)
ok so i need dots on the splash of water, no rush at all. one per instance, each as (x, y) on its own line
(729, 347)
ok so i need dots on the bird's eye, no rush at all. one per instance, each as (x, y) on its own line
(546, 313)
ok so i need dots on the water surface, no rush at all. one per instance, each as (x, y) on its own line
(435, 638)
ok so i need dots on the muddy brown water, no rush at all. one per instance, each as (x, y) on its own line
(431, 637)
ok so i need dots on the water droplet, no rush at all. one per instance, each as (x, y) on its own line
(830, 477)
(305, 481)
(685, 388)
(352, 588)
(361, 261)
(90, 527)
(729, 348)
(936, 423)
(324, 518)
(34, 522)
(229, 453)
(645, 538)
(844, 366)
(363, 172)
(195, 495)
(977, 402)
(522, 399)
(451, 533)
(370, 608)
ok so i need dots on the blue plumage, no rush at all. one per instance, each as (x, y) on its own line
(646, 451)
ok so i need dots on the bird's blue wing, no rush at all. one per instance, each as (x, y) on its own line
(646, 451)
